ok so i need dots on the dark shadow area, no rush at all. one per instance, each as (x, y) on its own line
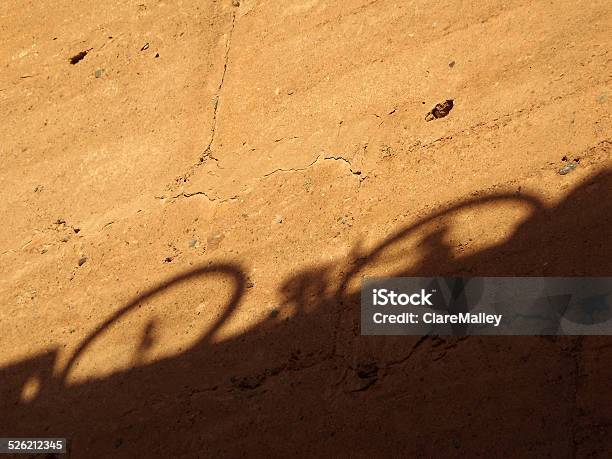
(311, 385)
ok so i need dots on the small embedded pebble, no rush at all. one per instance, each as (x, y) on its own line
(82, 261)
(440, 110)
(99, 73)
(567, 168)
(193, 243)
(451, 64)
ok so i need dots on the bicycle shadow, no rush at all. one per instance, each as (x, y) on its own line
(308, 383)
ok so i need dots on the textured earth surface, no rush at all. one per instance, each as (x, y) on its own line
(190, 207)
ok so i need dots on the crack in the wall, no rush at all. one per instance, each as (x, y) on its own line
(313, 163)
(198, 193)
(296, 169)
(217, 99)
(318, 159)
(341, 158)
(208, 151)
